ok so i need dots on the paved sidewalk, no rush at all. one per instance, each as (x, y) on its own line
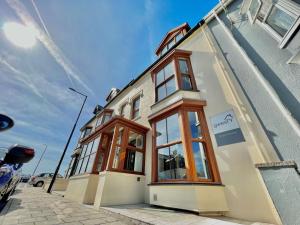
(32, 206)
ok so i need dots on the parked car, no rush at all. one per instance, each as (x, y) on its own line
(39, 180)
(11, 161)
(25, 178)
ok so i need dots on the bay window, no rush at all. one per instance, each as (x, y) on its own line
(182, 150)
(173, 73)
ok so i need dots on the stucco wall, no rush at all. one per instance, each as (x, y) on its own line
(82, 188)
(119, 188)
(245, 191)
(59, 184)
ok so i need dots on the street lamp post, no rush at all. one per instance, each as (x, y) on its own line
(39, 160)
(68, 142)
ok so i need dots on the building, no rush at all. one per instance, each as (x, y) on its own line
(211, 126)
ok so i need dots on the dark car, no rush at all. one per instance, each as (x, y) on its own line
(11, 161)
(24, 178)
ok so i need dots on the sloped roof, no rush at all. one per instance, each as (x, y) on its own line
(171, 32)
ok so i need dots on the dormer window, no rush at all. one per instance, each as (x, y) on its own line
(103, 117)
(171, 38)
(86, 132)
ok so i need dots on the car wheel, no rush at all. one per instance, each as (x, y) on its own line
(39, 184)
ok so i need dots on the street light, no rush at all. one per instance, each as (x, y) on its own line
(68, 142)
(39, 160)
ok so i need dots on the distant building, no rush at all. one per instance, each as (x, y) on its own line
(211, 126)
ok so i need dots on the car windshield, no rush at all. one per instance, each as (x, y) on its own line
(41, 175)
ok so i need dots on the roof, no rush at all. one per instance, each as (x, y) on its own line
(176, 30)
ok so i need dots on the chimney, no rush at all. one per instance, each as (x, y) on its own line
(113, 92)
(97, 109)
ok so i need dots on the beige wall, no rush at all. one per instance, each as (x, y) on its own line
(246, 194)
(119, 188)
(199, 198)
(82, 188)
(59, 184)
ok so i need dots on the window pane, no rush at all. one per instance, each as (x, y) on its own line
(119, 138)
(169, 70)
(135, 140)
(106, 118)
(136, 103)
(83, 151)
(171, 43)
(183, 66)
(163, 164)
(194, 124)
(138, 163)
(90, 163)
(98, 122)
(161, 92)
(100, 161)
(179, 36)
(165, 49)
(84, 164)
(161, 135)
(129, 162)
(116, 158)
(160, 77)
(89, 148)
(178, 170)
(201, 162)
(186, 82)
(95, 145)
(78, 166)
(253, 9)
(173, 128)
(280, 21)
(171, 86)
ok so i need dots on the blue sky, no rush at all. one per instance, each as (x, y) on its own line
(91, 46)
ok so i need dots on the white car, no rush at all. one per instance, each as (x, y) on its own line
(39, 180)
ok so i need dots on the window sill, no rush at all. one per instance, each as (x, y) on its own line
(185, 183)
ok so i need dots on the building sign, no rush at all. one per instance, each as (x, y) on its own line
(226, 128)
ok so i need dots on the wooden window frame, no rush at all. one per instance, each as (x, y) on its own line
(182, 108)
(174, 57)
(133, 111)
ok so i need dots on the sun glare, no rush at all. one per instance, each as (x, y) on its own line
(20, 35)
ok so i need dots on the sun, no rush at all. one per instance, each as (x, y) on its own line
(20, 35)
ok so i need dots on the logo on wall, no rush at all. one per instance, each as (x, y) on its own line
(226, 128)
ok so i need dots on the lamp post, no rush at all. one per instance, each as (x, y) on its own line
(40, 160)
(68, 142)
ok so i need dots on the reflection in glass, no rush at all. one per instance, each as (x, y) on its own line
(201, 163)
(160, 77)
(183, 66)
(100, 161)
(134, 161)
(280, 21)
(186, 82)
(161, 92)
(169, 70)
(90, 163)
(119, 138)
(135, 140)
(117, 157)
(194, 125)
(179, 36)
(170, 86)
(84, 164)
(173, 131)
(171, 163)
(161, 134)
(78, 166)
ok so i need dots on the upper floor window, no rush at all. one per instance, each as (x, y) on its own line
(174, 73)
(86, 132)
(103, 117)
(165, 81)
(122, 110)
(135, 112)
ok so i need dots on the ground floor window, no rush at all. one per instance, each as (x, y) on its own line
(182, 148)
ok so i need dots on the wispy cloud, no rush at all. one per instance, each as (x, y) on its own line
(49, 44)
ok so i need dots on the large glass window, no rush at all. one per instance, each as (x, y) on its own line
(87, 157)
(165, 81)
(186, 80)
(173, 153)
(280, 20)
(254, 8)
(171, 159)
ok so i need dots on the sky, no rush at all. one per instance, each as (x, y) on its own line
(91, 46)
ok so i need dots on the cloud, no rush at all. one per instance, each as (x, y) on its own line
(49, 44)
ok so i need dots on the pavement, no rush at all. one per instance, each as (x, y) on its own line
(32, 206)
